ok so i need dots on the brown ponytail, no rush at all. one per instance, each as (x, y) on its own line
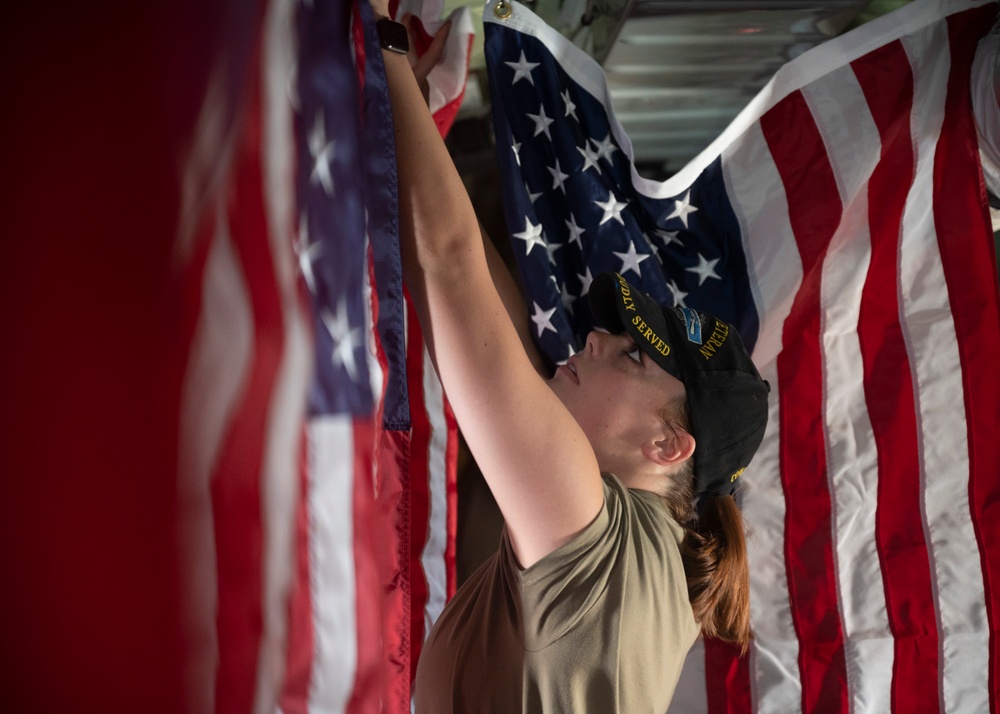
(714, 554)
(714, 551)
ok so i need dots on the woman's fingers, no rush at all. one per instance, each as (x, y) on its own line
(422, 66)
(433, 54)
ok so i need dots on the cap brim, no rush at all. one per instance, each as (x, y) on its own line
(603, 301)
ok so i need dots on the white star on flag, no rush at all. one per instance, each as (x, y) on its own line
(705, 269)
(531, 235)
(678, 294)
(344, 338)
(669, 237)
(631, 259)
(516, 146)
(656, 254)
(543, 319)
(682, 209)
(558, 177)
(605, 148)
(586, 279)
(590, 158)
(522, 68)
(321, 151)
(306, 253)
(541, 123)
(552, 248)
(575, 231)
(564, 295)
(612, 209)
(531, 196)
(570, 107)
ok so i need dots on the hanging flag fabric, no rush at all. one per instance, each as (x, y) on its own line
(317, 450)
(841, 224)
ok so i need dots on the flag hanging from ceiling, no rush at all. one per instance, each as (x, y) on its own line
(317, 450)
(841, 224)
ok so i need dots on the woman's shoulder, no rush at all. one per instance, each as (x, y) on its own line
(643, 509)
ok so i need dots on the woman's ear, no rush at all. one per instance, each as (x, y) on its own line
(675, 447)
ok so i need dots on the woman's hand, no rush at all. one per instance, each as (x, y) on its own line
(422, 66)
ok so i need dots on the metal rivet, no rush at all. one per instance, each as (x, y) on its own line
(502, 10)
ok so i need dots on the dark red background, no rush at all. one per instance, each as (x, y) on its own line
(96, 101)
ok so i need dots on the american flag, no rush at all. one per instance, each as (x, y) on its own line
(841, 223)
(317, 452)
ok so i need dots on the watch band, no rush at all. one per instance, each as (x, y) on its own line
(392, 36)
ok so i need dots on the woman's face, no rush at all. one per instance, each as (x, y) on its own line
(616, 393)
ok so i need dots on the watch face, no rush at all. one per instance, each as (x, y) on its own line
(392, 36)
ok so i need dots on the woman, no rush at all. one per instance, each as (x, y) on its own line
(607, 572)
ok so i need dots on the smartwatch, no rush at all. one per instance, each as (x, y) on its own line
(392, 36)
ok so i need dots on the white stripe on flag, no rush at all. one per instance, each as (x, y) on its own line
(280, 478)
(752, 182)
(432, 557)
(774, 672)
(930, 335)
(220, 356)
(852, 141)
(840, 110)
(331, 504)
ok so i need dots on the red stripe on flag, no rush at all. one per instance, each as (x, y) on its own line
(814, 212)
(370, 675)
(236, 487)
(727, 678)
(887, 82)
(382, 516)
(965, 240)
(445, 116)
(393, 455)
(294, 697)
(419, 483)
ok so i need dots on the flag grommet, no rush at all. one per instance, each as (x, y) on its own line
(502, 10)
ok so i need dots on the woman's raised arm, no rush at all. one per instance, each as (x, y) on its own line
(534, 456)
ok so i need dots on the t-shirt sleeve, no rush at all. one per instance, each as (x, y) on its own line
(563, 586)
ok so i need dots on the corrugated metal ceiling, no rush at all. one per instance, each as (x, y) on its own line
(680, 70)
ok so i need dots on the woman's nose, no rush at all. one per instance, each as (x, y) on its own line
(599, 341)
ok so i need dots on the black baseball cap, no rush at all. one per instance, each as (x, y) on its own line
(727, 399)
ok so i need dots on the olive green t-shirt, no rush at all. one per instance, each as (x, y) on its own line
(601, 624)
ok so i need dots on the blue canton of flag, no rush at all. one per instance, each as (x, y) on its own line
(576, 207)
(331, 241)
(347, 191)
